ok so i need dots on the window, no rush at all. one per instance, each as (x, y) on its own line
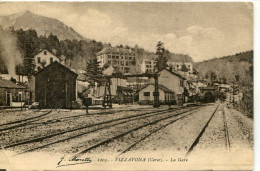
(146, 93)
(117, 57)
(109, 56)
(51, 60)
(109, 61)
(122, 63)
(126, 58)
(19, 96)
(126, 70)
(181, 83)
(39, 60)
(130, 58)
(113, 57)
(133, 58)
(122, 57)
(45, 53)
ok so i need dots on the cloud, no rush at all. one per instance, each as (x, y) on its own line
(195, 29)
(199, 41)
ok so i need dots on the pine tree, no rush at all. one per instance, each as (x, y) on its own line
(29, 63)
(162, 56)
(94, 72)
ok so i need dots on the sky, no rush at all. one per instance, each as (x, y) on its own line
(203, 30)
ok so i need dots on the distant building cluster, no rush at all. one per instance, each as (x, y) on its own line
(124, 59)
(56, 86)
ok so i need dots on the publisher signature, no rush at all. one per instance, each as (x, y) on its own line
(73, 161)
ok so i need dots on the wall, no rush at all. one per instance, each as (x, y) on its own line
(55, 87)
(170, 81)
(45, 58)
(150, 88)
(14, 95)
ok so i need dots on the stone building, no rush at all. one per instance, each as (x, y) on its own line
(44, 58)
(122, 59)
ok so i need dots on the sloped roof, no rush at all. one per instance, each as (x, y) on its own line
(115, 50)
(174, 73)
(48, 51)
(162, 87)
(179, 58)
(9, 84)
(52, 65)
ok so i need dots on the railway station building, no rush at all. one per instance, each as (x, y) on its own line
(166, 96)
(174, 82)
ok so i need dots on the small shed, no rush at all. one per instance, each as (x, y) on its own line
(11, 94)
(166, 96)
(55, 86)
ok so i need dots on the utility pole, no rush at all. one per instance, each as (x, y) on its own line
(156, 92)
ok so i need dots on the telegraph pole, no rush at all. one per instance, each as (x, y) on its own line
(156, 92)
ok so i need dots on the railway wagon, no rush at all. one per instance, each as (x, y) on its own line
(55, 86)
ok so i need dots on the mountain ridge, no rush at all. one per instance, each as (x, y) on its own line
(43, 25)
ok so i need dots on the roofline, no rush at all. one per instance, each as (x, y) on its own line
(52, 64)
(49, 52)
(153, 85)
(178, 75)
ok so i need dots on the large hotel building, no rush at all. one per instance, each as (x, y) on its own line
(122, 58)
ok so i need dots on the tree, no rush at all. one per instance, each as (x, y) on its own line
(162, 56)
(184, 68)
(13, 79)
(171, 68)
(213, 76)
(94, 72)
(195, 71)
(29, 64)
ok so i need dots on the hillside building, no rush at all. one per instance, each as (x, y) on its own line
(176, 61)
(121, 58)
(44, 58)
(148, 66)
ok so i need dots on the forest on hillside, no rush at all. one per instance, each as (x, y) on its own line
(29, 43)
(225, 68)
(237, 69)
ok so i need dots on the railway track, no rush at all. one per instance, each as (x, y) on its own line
(24, 122)
(96, 127)
(226, 133)
(34, 123)
(156, 123)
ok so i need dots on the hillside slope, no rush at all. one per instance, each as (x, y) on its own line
(227, 66)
